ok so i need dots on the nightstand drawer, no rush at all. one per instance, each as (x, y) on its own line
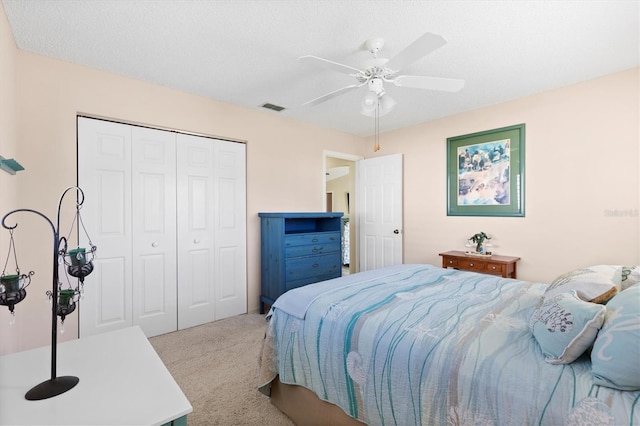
(471, 264)
(449, 262)
(494, 268)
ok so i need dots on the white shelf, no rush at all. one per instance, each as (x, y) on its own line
(122, 382)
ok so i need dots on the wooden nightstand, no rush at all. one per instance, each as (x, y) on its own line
(495, 265)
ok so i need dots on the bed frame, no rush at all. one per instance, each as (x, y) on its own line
(303, 407)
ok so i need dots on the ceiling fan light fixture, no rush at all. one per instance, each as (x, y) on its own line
(387, 103)
(370, 102)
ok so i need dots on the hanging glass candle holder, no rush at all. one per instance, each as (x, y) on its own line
(66, 304)
(12, 287)
(80, 262)
(67, 299)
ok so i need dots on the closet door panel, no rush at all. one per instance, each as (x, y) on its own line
(104, 174)
(199, 277)
(196, 255)
(111, 271)
(154, 230)
(230, 229)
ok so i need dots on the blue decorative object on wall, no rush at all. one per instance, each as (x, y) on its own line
(10, 165)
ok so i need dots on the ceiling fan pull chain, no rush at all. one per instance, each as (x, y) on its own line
(376, 146)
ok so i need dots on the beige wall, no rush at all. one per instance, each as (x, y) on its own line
(49, 95)
(8, 183)
(582, 150)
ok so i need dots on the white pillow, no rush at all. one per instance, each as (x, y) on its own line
(595, 284)
(565, 326)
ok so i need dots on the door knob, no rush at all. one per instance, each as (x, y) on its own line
(154, 244)
(396, 231)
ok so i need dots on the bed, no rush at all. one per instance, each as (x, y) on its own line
(422, 345)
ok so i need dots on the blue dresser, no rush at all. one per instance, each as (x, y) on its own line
(298, 249)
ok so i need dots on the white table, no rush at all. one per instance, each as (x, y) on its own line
(122, 382)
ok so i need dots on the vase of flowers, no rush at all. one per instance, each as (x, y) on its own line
(479, 239)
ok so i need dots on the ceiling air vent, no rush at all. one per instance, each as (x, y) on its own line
(276, 108)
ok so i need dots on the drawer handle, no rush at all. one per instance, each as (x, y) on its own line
(315, 240)
(315, 265)
(493, 267)
(471, 264)
(450, 262)
(316, 249)
(154, 244)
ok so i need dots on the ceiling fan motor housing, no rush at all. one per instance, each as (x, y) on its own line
(375, 85)
(374, 45)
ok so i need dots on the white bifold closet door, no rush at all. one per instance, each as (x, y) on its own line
(153, 230)
(211, 225)
(168, 214)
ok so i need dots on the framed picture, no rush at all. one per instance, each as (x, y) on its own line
(485, 173)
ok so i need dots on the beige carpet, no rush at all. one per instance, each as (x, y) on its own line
(216, 365)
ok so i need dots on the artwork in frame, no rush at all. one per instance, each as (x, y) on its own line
(485, 173)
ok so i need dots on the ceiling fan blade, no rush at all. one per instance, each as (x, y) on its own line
(429, 83)
(420, 48)
(326, 63)
(332, 95)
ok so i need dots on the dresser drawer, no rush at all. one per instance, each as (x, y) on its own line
(312, 266)
(311, 238)
(471, 264)
(310, 280)
(311, 250)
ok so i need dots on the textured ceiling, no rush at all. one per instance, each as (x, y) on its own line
(245, 51)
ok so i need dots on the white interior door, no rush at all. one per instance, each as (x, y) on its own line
(154, 230)
(104, 174)
(379, 212)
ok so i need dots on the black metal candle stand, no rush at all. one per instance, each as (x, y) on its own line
(55, 385)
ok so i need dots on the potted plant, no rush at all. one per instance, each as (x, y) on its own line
(478, 239)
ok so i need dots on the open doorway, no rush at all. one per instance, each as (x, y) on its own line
(339, 196)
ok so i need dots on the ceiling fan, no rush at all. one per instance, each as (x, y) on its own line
(378, 71)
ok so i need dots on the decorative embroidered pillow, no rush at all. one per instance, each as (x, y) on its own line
(615, 358)
(595, 284)
(565, 326)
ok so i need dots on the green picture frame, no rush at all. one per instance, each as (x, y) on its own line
(485, 173)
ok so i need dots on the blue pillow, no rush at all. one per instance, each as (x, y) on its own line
(565, 326)
(615, 358)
